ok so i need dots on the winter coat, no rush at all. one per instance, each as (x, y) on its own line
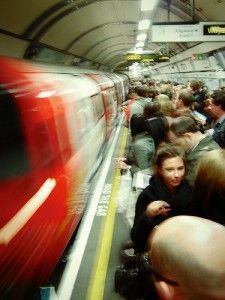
(219, 133)
(157, 190)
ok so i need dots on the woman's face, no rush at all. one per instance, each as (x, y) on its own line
(172, 171)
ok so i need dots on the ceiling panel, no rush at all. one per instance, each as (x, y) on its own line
(93, 29)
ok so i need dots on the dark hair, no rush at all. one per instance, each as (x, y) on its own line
(141, 91)
(183, 125)
(151, 109)
(165, 151)
(137, 124)
(152, 92)
(157, 128)
(218, 98)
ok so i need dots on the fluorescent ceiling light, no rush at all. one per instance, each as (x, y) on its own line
(141, 37)
(143, 24)
(148, 4)
(140, 44)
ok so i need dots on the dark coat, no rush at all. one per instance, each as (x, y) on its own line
(157, 190)
(219, 133)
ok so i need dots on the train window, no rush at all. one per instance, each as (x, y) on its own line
(98, 106)
(86, 114)
(13, 156)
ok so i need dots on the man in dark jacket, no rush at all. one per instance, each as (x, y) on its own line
(216, 110)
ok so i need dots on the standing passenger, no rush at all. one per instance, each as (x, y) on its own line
(141, 99)
(216, 109)
(167, 195)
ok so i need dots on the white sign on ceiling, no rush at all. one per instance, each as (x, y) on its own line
(200, 32)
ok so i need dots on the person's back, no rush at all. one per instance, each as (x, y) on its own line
(187, 256)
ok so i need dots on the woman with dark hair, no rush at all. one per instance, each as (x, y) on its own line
(167, 195)
(209, 187)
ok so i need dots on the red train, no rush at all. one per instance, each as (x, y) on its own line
(55, 122)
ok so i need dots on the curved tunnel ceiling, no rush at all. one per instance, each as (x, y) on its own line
(99, 31)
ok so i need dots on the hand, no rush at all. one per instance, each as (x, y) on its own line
(158, 207)
(121, 163)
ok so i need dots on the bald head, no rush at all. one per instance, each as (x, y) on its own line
(191, 251)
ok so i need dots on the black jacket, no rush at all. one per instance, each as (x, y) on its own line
(157, 190)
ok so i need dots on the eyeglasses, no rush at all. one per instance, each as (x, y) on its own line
(159, 276)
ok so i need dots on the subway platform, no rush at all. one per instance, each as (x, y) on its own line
(94, 257)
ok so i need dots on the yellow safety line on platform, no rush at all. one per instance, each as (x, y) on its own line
(99, 271)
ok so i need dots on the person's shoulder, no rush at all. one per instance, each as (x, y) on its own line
(208, 143)
(222, 124)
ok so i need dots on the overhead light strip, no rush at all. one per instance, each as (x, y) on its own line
(141, 37)
(148, 4)
(144, 24)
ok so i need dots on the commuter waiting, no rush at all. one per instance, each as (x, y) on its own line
(209, 187)
(147, 131)
(184, 101)
(185, 132)
(141, 99)
(199, 94)
(167, 195)
(187, 259)
(216, 110)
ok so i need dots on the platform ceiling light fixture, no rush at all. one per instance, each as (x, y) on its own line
(144, 24)
(141, 37)
(148, 4)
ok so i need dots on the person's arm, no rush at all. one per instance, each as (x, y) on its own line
(143, 224)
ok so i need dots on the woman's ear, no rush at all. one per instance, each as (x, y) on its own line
(165, 291)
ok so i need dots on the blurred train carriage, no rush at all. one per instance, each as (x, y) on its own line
(54, 125)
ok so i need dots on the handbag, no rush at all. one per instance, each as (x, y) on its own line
(133, 279)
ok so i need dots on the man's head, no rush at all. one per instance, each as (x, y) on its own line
(195, 85)
(185, 132)
(215, 105)
(184, 99)
(188, 253)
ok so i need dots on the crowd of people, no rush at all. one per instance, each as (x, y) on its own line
(177, 135)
